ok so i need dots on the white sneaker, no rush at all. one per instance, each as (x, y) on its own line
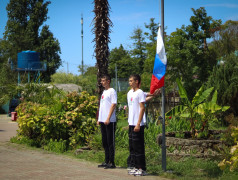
(130, 168)
(133, 171)
(140, 172)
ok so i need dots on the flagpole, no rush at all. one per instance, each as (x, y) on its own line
(163, 98)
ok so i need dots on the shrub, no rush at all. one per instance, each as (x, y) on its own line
(232, 162)
(72, 119)
(56, 146)
(198, 110)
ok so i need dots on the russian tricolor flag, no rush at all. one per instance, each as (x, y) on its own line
(157, 80)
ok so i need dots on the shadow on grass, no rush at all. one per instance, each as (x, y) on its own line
(213, 172)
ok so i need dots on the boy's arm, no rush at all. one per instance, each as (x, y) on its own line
(142, 111)
(97, 114)
(151, 96)
(113, 106)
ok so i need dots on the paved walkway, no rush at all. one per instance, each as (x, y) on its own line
(20, 162)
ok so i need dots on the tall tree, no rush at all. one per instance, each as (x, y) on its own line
(125, 64)
(49, 50)
(102, 25)
(188, 53)
(153, 29)
(224, 78)
(202, 26)
(139, 47)
(25, 18)
(225, 39)
(151, 51)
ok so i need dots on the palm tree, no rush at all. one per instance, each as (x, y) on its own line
(101, 29)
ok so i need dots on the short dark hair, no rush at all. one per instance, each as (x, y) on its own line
(106, 76)
(136, 77)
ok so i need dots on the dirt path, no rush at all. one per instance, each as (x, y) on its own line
(19, 162)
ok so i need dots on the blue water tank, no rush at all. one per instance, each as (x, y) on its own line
(28, 61)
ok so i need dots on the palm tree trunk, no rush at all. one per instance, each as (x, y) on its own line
(101, 29)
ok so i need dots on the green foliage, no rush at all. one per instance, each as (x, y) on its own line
(56, 146)
(148, 66)
(125, 63)
(88, 81)
(25, 31)
(145, 78)
(189, 109)
(25, 140)
(71, 120)
(233, 122)
(7, 92)
(232, 163)
(141, 58)
(7, 82)
(64, 78)
(121, 137)
(49, 50)
(153, 27)
(40, 93)
(224, 79)
(188, 53)
(208, 110)
(225, 40)
(177, 124)
(139, 48)
(95, 141)
(122, 98)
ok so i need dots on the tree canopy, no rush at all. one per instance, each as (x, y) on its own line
(188, 54)
(25, 31)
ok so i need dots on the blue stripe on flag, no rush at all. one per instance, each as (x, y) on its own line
(159, 68)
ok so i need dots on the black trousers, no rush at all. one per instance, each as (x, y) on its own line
(108, 141)
(137, 148)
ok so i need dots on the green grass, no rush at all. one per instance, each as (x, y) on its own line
(194, 168)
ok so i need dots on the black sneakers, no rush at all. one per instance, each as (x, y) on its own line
(103, 165)
(110, 166)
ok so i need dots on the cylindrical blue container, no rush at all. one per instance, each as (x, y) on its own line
(28, 61)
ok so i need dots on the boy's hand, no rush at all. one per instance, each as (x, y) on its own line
(98, 123)
(137, 128)
(107, 122)
(157, 91)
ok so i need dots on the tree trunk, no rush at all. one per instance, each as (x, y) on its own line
(101, 29)
(192, 127)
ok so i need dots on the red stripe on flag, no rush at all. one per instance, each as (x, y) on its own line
(156, 83)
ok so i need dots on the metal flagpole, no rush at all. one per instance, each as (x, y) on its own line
(163, 98)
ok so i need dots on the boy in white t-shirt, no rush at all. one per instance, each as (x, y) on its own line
(136, 120)
(148, 97)
(107, 121)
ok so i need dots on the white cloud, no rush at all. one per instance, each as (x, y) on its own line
(227, 5)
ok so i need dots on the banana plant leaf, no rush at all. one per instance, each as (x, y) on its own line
(176, 110)
(201, 96)
(211, 107)
(182, 92)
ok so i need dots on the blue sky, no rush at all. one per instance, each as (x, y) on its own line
(126, 15)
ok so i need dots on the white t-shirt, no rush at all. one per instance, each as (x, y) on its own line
(134, 98)
(108, 98)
